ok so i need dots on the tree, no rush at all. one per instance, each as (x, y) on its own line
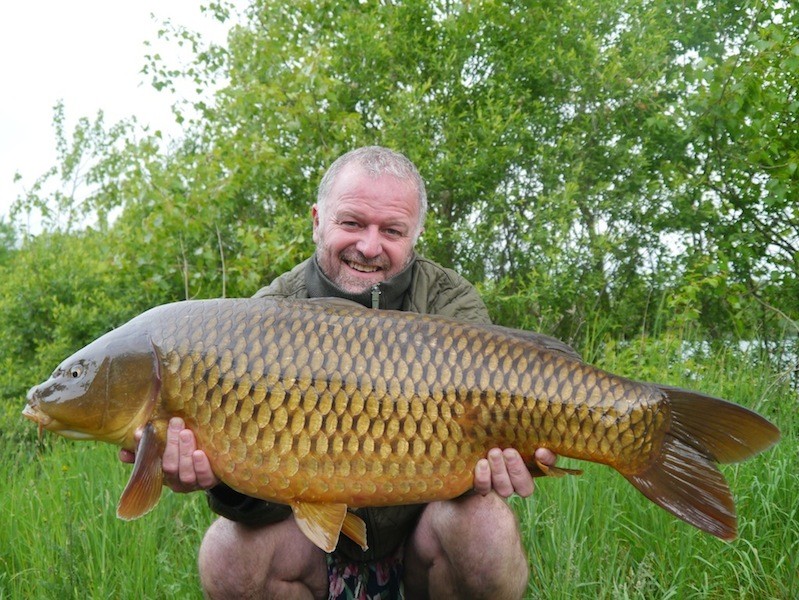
(567, 147)
(735, 185)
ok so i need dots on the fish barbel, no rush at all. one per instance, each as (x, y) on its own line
(324, 405)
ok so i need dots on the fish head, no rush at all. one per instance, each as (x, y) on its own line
(105, 391)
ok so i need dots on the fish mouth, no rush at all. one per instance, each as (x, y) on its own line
(38, 417)
(45, 421)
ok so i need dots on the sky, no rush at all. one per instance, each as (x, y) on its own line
(88, 54)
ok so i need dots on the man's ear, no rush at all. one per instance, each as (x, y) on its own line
(315, 220)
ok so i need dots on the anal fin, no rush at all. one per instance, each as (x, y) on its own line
(539, 469)
(144, 487)
(355, 529)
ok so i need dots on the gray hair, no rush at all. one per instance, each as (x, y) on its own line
(376, 161)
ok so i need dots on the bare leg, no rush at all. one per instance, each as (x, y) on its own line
(276, 561)
(466, 548)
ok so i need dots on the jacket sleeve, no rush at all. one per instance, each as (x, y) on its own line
(238, 507)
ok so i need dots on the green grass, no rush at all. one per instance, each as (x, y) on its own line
(592, 536)
(61, 538)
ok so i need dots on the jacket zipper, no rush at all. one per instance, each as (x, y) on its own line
(376, 293)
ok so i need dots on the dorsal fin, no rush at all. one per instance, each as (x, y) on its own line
(546, 342)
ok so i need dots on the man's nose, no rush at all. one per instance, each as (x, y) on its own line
(369, 243)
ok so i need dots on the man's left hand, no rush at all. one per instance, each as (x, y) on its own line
(504, 472)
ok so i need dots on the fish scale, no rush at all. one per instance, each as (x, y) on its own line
(325, 405)
(323, 395)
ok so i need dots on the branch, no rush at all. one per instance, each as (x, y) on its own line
(222, 256)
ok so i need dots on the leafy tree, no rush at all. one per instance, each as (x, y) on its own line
(568, 147)
(8, 240)
(735, 185)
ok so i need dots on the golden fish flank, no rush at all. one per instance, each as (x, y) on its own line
(325, 405)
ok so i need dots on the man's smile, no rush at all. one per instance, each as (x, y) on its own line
(360, 267)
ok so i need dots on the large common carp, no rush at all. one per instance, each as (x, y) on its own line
(324, 405)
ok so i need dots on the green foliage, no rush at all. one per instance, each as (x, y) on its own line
(735, 183)
(63, 539)
(587, 163)
(59, 291)
(8, 235)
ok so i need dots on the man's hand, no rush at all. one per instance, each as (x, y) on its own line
(504, 472)
(186, 469)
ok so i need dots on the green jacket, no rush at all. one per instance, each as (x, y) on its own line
(423, 287)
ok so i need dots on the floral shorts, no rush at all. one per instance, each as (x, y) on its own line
(376, 580)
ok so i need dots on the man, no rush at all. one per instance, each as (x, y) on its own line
(369, 213)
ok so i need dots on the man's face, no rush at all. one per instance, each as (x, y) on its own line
(367, 232)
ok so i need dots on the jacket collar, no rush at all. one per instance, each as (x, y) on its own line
(388, 294)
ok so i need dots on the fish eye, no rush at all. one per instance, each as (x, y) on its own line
(76, 371)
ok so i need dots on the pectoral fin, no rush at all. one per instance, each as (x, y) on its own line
(323, 523)
(143, 490)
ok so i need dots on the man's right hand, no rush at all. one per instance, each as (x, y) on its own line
(186, 469)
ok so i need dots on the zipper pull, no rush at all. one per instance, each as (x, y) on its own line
(376, 292)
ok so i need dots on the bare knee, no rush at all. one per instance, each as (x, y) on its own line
(224, 573)
(496, 564)
(276, 561)
(468, 548)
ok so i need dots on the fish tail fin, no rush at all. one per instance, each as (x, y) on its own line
(684, 479)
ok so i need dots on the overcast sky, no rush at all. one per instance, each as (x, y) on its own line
(88, 53)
